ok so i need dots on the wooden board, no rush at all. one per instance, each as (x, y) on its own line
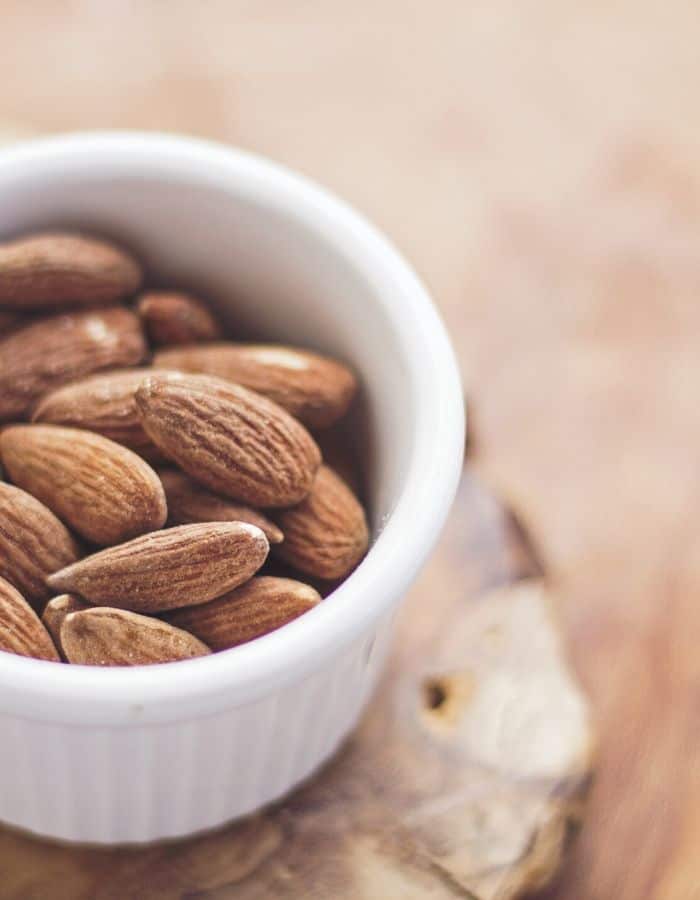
(465, 778)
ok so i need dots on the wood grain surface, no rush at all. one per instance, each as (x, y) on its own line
(465, 779)
(540, 165)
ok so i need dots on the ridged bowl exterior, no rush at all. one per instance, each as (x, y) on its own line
(134, 784)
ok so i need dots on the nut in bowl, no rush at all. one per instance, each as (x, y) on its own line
(183, 328)
(234, 435)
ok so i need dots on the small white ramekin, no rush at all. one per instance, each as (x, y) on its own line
(130, 755)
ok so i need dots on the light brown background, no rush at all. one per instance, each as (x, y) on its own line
(539, 163)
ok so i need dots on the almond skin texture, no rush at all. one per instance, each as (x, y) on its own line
(326, 535)
(181, 566)
(172, 318)
(33, 544)
(105, 404)
(189, 502)
(62, 269)
(115, 637)
(21, 632)
(102, 490)
(229, 439)
(55, 612)
(315, 389)
(258, 607)
(58, 349)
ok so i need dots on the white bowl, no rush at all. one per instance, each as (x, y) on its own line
(131, 755)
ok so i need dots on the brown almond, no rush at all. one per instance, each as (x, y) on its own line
(172, 318)
(55, 612)
(102, 490)
(105, 404)
(33, 544)
(326, 535)
(115, 637)
(21, 631)
(231, 440)
(62, 269)
(180, 566)
(261, 605)
(189, 502)
(315, 389)
(53, 351)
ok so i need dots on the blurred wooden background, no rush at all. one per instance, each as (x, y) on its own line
(540, 165)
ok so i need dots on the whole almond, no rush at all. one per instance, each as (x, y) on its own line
(33, 544)
(313, 388)
(21, 632)
(102, 403)
(326, 535)
(62, 269)
(180, 566)
(189, 502)
(55, 612)
(115, 637)
(173, 318)
(261, 605)
(58, 349)
(102, 490)
(231, 440)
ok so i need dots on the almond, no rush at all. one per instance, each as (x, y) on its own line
(261, 605)
(231, 440)
(61, 269)
(114, 637)
(189, 502)
(315, 389)
(55, 350)
(21, 632)
(180, 566)
(326, 535)
(102, 490)
(105, 404)
(55, 612)
(174, 318)
(33, 543)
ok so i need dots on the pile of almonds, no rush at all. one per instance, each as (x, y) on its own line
(150, 465)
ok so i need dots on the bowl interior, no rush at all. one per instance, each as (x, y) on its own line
(273, 269)
(281, 260)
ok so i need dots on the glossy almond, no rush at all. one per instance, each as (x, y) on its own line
(180, 566)
(231, 440)
(172, 318)
(56, 611)
(326, 535)
(21, 631)
(115, 637)
(53, 351)
(315, 389)
(102, 403)
(102, 490)
(261, 605)
(189, 502)
(62, 269)
(33, 544)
